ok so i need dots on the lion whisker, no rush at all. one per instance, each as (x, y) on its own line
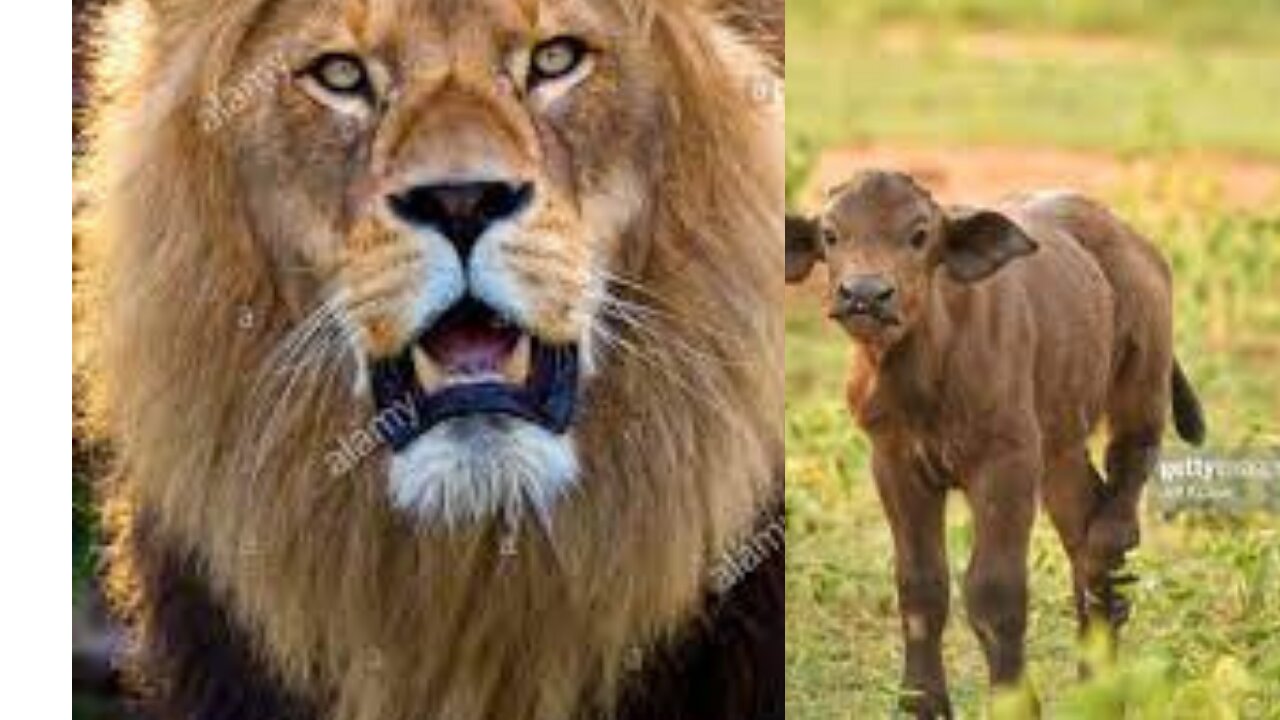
(656, 312)
(308, 349)
(634, 316)
(710, 397)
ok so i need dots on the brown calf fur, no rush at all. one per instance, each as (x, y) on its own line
(988, 345)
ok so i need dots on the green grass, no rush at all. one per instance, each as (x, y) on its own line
(1201, 23)
(843, 86)
(1203, 640)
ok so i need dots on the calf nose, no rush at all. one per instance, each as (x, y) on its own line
(461, 211)
(865, 294)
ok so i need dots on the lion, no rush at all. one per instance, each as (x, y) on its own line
(440, 345)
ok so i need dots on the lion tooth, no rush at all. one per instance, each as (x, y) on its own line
(516, 369)
(458, 380)
(499, 322)
(429, 375)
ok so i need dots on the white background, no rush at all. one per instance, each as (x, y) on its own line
(35, 347)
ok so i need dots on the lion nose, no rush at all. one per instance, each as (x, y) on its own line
(462, 211)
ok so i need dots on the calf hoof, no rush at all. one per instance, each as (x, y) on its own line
(922, 705)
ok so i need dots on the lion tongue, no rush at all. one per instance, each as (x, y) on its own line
(471, 343)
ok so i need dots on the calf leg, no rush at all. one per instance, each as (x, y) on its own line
(1073, 491)
(1114, 529)
(915, 511)
(1137, 415)
(1003, 499)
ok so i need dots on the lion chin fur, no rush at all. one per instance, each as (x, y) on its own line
(470, 469)
(346, 604)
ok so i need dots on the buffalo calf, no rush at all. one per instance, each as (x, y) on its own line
(989, 344)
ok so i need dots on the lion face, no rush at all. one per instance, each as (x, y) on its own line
(295, 191)
(452, 183)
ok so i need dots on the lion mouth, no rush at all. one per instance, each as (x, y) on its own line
(473, 361)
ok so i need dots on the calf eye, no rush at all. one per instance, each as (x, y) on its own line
(919, 238)
(339, 73)
(556, 58)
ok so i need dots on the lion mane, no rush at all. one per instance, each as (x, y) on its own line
(287, 592)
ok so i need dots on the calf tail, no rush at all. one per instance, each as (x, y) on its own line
(1188, 417)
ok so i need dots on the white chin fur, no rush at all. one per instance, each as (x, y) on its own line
(474, 468)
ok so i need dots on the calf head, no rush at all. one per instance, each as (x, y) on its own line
(883, 240)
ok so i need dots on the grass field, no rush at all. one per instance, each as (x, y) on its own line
(1103, 76)
(926, 70)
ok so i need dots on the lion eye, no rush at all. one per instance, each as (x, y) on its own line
(556, 58)
(340, 74)
(829, 237)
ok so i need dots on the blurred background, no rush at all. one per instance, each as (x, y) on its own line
(1170, 112)
(96, 642)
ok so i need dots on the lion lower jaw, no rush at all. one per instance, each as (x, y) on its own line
(475, 468)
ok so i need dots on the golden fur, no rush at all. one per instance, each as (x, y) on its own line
(678, 441)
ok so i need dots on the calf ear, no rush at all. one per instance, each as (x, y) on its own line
(802, 247)
(980, 242)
